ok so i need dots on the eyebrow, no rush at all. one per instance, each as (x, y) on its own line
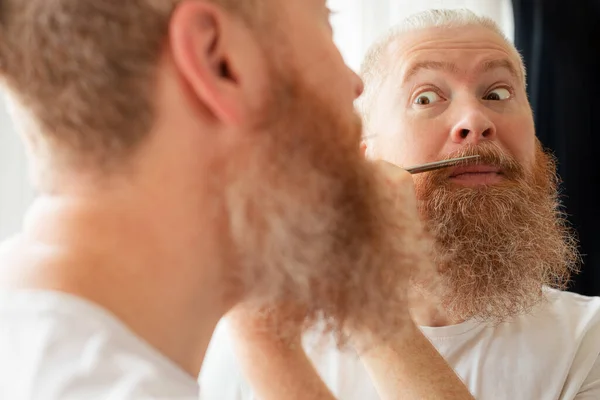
(499, 63)
(452, 68)
(430, 65)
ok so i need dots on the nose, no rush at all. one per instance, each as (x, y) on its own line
(357, 83)
(472, 128)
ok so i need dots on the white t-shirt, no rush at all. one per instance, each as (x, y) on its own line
(55, 346)
(552, 354)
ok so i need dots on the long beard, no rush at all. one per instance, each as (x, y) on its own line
(314, 225)
(496, 247)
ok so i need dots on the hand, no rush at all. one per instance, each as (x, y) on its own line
(408, 366)
(279, 325)
(423, 296)
(399, 182)
(420, 271)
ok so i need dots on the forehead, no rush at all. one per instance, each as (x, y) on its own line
(471, 50)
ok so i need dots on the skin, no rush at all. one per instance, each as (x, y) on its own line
(159, 208)
(465, 105)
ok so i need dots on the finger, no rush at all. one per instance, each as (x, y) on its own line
(394, 174)
(400, 183)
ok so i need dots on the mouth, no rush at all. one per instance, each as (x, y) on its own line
(477, 174)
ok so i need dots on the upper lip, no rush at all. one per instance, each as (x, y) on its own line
(474, 169)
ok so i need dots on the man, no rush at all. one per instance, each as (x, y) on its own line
(444, 84)
(189, 160)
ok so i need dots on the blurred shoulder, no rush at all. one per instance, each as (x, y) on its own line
(221, 377)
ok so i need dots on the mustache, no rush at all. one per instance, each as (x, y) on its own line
(489, 154)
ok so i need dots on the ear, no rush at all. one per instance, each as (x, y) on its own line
(203, 40)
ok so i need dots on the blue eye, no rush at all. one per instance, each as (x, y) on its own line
(498, 94)
(427, 98)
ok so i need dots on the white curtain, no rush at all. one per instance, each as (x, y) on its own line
(357, 23)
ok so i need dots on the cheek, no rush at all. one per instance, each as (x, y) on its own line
(519, 138)
(406, 143)
(425, 141)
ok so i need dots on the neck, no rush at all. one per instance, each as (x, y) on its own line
(139, 257)
(427, 310)
(433, 317)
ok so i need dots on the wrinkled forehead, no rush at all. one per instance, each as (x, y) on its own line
(470, 50)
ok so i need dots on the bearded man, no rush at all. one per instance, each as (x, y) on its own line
(442, 84)
(190, 157)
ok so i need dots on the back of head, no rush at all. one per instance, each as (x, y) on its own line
(381, 54)
(84, 72)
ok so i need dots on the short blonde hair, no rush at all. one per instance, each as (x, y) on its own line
(375, 66)
(84, 69)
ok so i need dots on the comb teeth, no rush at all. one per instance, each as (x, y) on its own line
(417, 169)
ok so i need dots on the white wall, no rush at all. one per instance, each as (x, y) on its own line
(15, 191)
(357, 23)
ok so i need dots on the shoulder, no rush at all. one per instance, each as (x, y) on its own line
(221, 377)
(565, 323)
(572, 323)
(573, 307)
(563, 315)
(579, 316)
(55, 346)
(9, 250)
(23, 262)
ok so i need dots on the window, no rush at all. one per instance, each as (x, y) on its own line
(357, 23)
